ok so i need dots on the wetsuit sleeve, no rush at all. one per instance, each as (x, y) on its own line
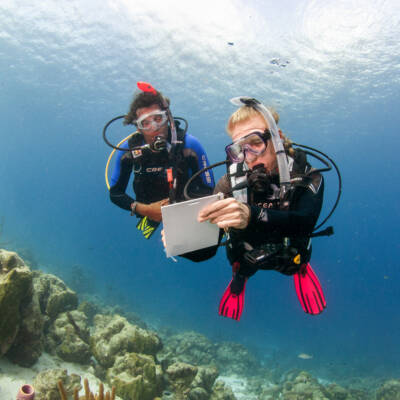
(298, 221)
(120, 179)
(196, 158)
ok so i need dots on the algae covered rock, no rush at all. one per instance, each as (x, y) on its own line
(222, 392)
(54, 296)
(46, 383)
(189, 347)
(10, 260)
(180, 377)
(136, 377)
(205, 378)
(69, 337)
(114, 336)
(90, 309)
(390, 390)
(234, 358)
(270, 392)
(304, 387)
(15, 292)
(191, 382)
(337, 392)
(28, 345)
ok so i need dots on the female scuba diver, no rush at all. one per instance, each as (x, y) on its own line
(273, 198)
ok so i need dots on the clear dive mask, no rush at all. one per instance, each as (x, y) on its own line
(152, 121)
(248, 147)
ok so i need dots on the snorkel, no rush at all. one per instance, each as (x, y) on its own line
(283, 166)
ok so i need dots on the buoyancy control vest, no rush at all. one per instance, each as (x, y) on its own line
(150, 168)
(271, 250)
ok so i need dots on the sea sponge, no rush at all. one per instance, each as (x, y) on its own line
(88, 394)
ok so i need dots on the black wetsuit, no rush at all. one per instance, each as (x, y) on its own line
(269, 224)
(150, 179)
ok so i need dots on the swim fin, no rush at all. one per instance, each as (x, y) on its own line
(232, 304)
(147, 227)
(309, 290)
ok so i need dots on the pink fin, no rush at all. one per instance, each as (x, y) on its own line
(231, 304)
(309, 290)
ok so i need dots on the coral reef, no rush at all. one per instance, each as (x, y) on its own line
(180, 375)
(194, 348)
(222, 392)
(68, 337)
(46, 383)
(38, 308)
(136, 377)
(390, 390)
(114, 336)
(303, 386)
(20, 321)
(28, 344)
(191, 382)
(234, 358)
(188, 347)
(54, 296)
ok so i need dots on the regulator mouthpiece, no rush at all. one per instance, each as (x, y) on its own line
(159, 144)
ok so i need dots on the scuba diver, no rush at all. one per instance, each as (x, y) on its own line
(273, 198)
(162, 157)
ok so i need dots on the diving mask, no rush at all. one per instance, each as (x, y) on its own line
(152, 121)
(248, 147)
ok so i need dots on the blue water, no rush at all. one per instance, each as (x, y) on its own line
(67, 67)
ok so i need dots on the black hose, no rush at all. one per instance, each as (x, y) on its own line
(323, 169)
(328, 168)
(123, 116)
(104, 133)
(185, 189)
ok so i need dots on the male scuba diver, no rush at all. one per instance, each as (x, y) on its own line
(162, 157)
(273, 198)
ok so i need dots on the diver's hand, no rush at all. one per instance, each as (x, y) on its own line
(152, 210)
(227, 213)
(163, 238)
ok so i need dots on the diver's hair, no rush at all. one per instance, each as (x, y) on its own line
(143, 99)
(287, 145)
(244, 113)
